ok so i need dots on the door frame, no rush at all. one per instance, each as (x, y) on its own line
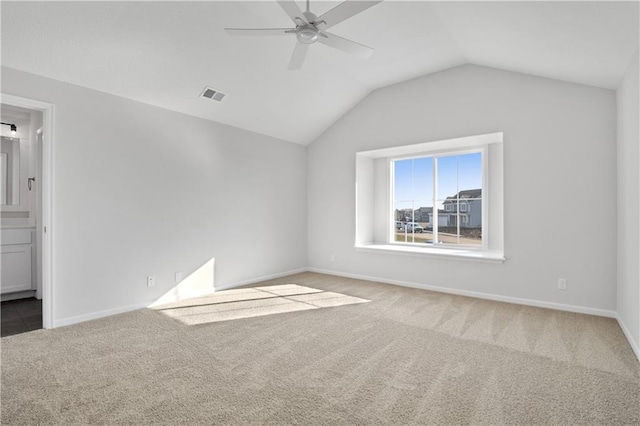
(47, 218)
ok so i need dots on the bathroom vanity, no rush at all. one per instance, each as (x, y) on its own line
(18, 260)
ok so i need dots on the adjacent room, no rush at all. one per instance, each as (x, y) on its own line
(320, 212)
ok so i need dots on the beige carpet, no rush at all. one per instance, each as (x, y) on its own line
(253, 302)
(407, 356)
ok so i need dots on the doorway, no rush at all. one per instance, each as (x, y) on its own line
(26, 288)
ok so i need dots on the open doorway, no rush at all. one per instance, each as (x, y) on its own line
(25, 215)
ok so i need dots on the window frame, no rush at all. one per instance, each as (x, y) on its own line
(435, 154)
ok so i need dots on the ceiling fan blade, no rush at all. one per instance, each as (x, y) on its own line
(258, 31)
(343, 11)
(299, 53)
(346, 45)
(294, 12)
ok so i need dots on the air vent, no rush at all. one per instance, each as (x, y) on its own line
(214, 95)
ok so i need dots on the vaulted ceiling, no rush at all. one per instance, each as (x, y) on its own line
(165, 53)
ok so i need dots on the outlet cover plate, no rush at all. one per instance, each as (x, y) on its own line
(562, 284)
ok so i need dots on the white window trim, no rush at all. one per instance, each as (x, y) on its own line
(371, 234)
(436, 154)
(413, 250)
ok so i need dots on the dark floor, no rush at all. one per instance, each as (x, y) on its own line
(20, 316)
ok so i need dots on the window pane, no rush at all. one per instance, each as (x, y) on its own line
(447, 176)
(404, 217)
(403, 211)
(470, 172)
(403, 180)
(423, 178)
(447, 221)
(423, 218)
(413, 179)
(471, 223)
(422, 212)
(469, 231)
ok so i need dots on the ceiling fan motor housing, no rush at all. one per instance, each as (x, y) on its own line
(307, 34)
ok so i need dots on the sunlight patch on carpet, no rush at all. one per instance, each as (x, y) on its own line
(253, 302)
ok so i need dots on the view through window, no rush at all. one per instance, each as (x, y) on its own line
(437, 199)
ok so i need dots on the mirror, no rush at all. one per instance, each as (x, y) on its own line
(10, 171)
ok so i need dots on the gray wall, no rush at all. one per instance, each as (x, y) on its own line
(141, 191)
(628, 203)
(559, 155)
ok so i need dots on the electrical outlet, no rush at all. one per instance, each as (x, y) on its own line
(333, 257)
(178, 276)
(151, 281)
(562, 284)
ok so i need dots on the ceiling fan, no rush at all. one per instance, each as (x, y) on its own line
(311, 28)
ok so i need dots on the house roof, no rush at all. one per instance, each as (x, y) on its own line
(165, 53)
(468, 193)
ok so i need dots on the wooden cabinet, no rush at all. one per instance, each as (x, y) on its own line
(16, 260)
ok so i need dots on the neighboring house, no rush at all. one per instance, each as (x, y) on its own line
(404, 215)
(469, 203)
(423, 214)
(443, 218)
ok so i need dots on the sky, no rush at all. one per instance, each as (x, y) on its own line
(413, 180)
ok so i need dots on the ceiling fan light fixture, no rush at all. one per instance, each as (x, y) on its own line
(307, 34)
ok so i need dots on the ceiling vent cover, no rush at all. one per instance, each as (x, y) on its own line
(212, 94)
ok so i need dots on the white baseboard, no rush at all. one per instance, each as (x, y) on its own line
(259, 279)
(478, 295)
(100, 314)
(18, 295)
(634, 345)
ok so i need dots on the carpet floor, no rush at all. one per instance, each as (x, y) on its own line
(388, 355)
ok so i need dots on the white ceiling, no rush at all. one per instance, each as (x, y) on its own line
(165, 53)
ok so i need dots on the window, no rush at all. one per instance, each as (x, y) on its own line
(415, 184)
(445, 184)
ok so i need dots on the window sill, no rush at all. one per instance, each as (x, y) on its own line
(462, 254)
